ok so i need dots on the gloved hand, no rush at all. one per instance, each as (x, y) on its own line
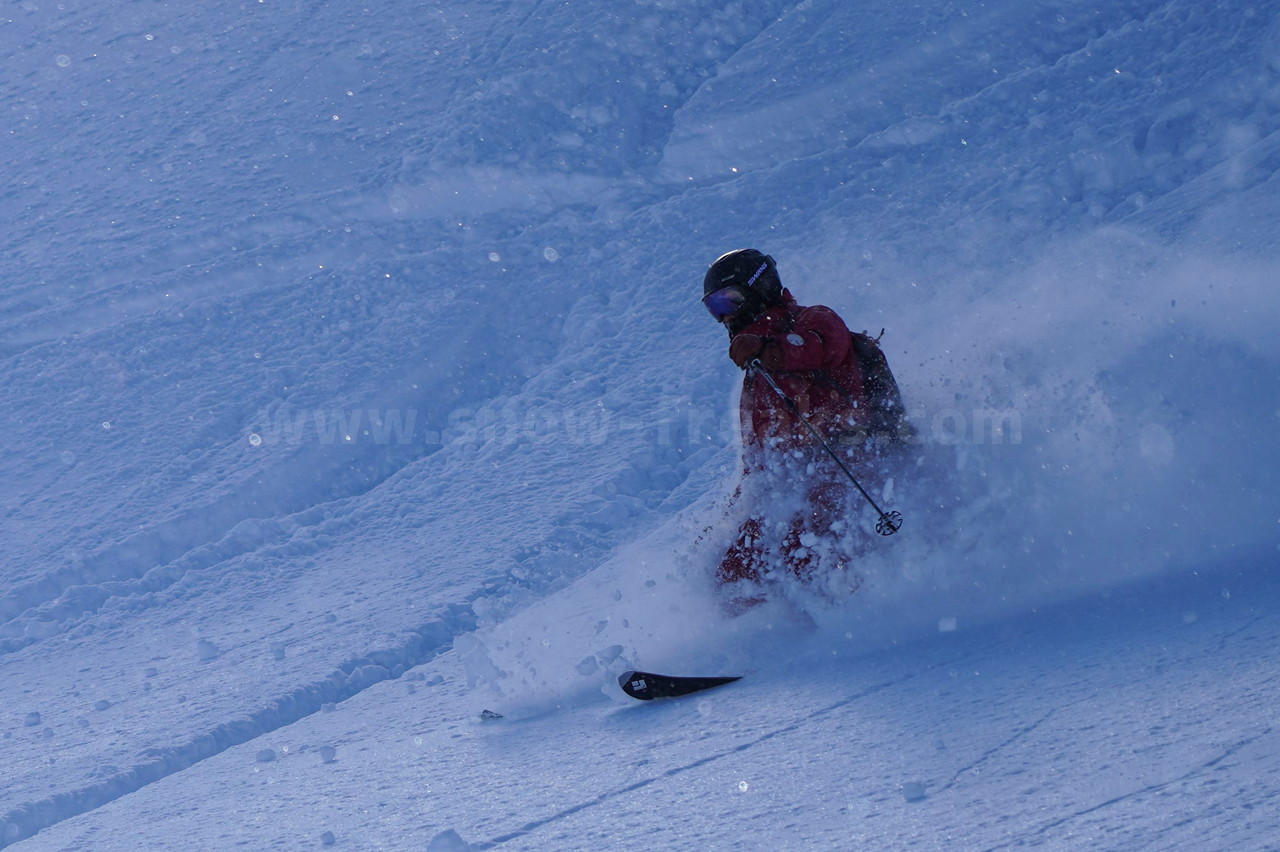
(744, 348)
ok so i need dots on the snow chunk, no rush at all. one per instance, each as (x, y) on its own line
(448, 841)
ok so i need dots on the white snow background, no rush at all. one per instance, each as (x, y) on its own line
(355, 382)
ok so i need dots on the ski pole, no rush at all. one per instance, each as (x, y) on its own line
(889, 522)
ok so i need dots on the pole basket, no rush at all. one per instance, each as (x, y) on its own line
(889, 523)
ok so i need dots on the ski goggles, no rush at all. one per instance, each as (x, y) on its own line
(725, 302)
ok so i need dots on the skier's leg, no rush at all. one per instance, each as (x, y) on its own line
(811, 527)
(739, 571)
(742, 560)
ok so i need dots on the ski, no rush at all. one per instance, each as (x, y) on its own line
(646, 685)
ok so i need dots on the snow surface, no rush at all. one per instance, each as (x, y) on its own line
(355, 383)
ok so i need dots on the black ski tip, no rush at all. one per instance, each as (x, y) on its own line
(647, 686)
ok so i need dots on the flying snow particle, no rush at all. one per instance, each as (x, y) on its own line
(495, 257)
(743, 786)
(63, 60)
(67, 457)
(947, 625)
(551, 254)
(255, 440)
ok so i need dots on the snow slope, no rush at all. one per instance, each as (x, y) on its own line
(352, 363)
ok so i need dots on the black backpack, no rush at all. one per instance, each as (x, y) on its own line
(887, 416)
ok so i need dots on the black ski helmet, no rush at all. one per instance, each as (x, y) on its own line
(753, 271)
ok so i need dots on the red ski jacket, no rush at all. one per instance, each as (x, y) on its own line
(838, 380)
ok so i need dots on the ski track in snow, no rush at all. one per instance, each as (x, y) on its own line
(668, 774)
(349, 679)
(1151, 789)
(977, 773)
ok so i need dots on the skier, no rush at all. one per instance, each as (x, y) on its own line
(839, 381)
